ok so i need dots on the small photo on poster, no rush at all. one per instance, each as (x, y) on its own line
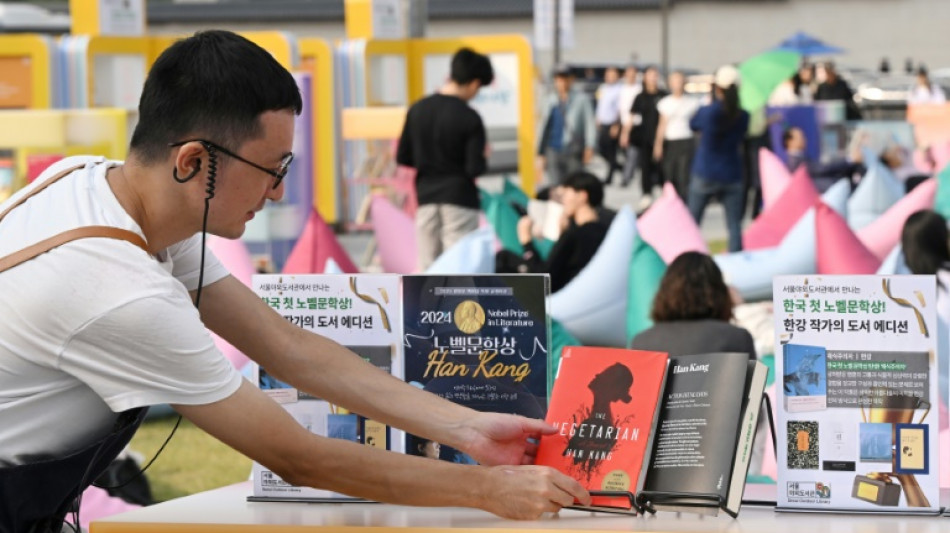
(804, 379)
(913, 450)
(876, 444)
(802, 440)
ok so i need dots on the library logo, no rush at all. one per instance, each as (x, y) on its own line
(815, 492)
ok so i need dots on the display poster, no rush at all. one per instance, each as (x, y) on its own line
(856, 394)
(122, 18)
(481, 341)
(361, 312)
(16, 82)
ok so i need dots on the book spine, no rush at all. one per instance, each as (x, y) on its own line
(747, 430)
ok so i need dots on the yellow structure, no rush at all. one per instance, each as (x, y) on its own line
(414, 53)
(107, 18)
(38, 132)
(25, 69)
(316, 57)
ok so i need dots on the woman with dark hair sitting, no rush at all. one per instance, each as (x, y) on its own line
(692, 310)
(926, 251)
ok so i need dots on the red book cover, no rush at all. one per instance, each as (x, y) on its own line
(604, 404)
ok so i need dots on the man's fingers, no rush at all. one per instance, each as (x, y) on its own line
(572, 489)
(535, 427)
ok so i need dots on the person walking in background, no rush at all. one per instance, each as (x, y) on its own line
(717, 166)
(673, 147)
(444, 140)
(925, 91)
(608, 120)
(835, 88)
(628, 93)
(642, 132)
(568, 132)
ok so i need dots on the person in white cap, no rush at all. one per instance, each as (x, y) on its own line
(717, 166)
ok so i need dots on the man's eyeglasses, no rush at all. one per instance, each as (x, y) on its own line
(281, 171)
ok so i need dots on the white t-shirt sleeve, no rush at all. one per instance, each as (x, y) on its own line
(150, 350)
(665, 106)
(186, 261)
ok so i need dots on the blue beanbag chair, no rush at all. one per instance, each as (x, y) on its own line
(593, 305)
(472, 254)
(751, 272)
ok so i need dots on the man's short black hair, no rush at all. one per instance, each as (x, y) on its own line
(212, 85)
(589, 183)
(468, 66)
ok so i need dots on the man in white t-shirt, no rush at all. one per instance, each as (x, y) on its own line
(673, 146)
(99, 326)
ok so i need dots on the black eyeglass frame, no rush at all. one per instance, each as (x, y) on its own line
(279, 174)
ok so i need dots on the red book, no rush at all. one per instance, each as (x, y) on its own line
(604, 403)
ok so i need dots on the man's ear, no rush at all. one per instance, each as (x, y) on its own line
(187, 161)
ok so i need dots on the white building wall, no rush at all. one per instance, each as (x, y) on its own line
(706, 34)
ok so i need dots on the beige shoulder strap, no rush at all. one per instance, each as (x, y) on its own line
(21, 256)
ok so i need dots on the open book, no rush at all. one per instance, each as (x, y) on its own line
(646, 432)
(546, 218)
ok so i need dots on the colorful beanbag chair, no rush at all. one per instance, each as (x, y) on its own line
(751, 272)
(836, 197)
(774, 175)
(646, 271)
(472, 254)
(838, 249)
(316, 246)
(234, 256)
(883, 234)
(669, 228)
(593, 305)
(395, 237)
(942, 199)
(774, 222)
(874, 195)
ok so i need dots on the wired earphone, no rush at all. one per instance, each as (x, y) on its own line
(209, 194)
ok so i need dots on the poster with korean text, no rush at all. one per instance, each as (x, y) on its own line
(856, 393)
(481, 341)
(361, 312)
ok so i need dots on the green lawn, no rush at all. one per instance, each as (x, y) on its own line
(192, 462)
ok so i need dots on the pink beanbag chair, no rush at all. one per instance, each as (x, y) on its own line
(395, 237)
(774, 175)
(941, 154)
(234, 256)
(883, 234)
(668, 227)
(316, 245)
(775, 222)
(839, 250)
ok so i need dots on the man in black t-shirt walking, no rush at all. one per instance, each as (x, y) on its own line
(444, 140)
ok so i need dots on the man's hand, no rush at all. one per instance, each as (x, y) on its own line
(502, 439)
(658, 152)
(524, 230)
(614, 131)
(525, 492)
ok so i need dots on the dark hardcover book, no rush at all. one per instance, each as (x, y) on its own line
(481, 341)
(604, 404)
(705, 434)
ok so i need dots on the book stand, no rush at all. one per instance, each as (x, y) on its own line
(647, 500)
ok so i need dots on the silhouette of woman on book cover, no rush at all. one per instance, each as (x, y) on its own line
(595, 437)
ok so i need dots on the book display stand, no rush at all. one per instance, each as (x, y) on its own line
(696, 502)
